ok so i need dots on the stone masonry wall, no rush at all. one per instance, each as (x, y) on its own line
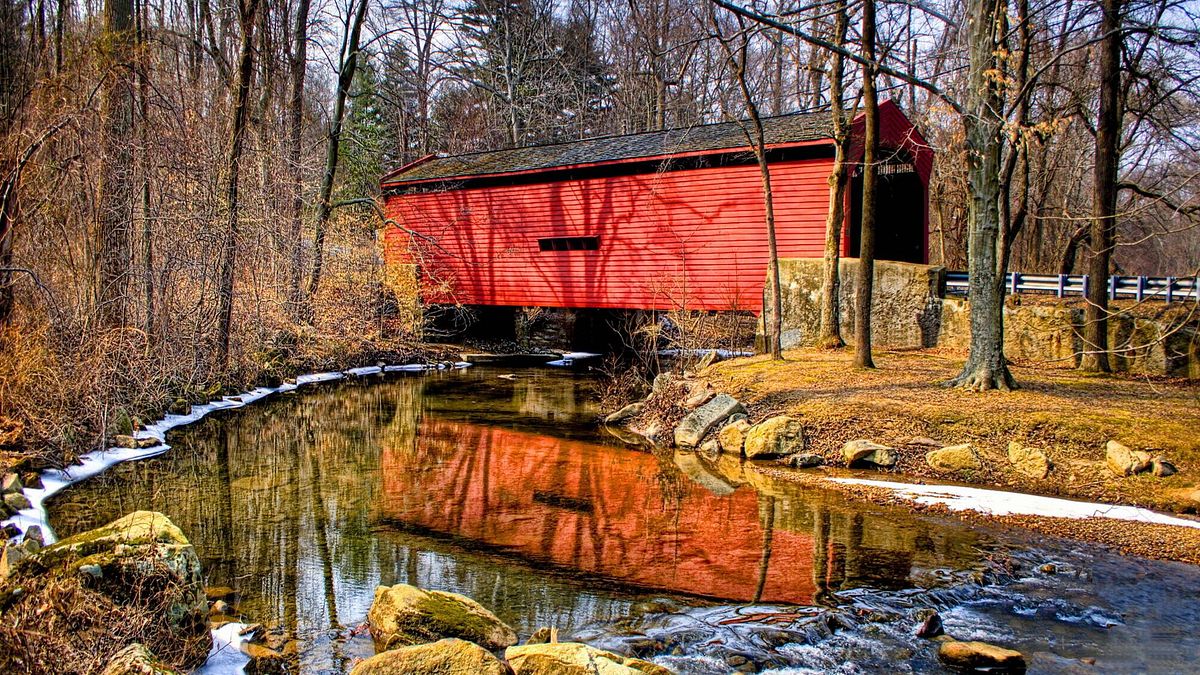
(910, 311)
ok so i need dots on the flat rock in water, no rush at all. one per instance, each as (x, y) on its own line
(628, 412)
(574, 658)
(1123, 461)
(862, 450)
(703, 419)
(404, 615)
(953, 459)
(1030, 461)
(450, 656)
(981, 656)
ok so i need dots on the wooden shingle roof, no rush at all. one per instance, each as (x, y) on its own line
(782, 129)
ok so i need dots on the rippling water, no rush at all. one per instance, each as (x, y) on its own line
(503, 489)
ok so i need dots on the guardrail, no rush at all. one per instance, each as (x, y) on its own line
(1167, 289)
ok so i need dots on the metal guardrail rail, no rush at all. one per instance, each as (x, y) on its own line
(1167, 289)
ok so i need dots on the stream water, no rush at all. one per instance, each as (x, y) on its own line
(500, 486)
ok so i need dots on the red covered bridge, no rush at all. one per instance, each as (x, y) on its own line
(659, 220)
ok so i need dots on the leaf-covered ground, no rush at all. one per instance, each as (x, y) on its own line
(1068, 414)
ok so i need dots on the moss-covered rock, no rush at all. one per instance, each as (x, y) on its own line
(444, 657)
(733, 435)
(404, 615)
(1030, 461)
(1123, 461)
(776, 437)
(954, 459)
(574, 658)
(139, 556)
(864, 451)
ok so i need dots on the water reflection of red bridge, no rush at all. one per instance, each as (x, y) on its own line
(602, 511)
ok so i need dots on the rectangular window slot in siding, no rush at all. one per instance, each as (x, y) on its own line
(569, 244)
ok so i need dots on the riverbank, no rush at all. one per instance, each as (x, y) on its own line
(1068, 415)
(1010, 459)
(54, 409)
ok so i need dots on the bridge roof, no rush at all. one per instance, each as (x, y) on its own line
(779, 130)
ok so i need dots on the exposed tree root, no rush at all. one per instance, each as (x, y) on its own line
(984, 379)
(830, 342)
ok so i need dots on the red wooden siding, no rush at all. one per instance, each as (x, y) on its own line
(693, 239)
(688, 239)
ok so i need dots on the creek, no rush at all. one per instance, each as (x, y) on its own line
(498, 484)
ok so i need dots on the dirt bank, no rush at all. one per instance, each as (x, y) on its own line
(1067, 414)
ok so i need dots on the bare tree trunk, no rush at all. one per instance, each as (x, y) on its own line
(737, 60)
(298, 65)
(986, 367)
(8, 216)
(115, 209)
(1104, 200)
(839, 179)
(144, 171)
(324, 205)
(866, 249)
(248, 13)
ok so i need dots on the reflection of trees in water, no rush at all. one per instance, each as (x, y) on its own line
(283, 501)
(281, 498)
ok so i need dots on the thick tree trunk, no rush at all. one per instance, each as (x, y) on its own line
(324, 198)
(866, 250)
(986, 367)
(1104, 199)
(248, 11)
(839, 179)
(298, 64)
(115, 208)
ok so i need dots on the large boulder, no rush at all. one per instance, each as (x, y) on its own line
(1030, 461)
(136, 659)
(776, 437)
(574, 658)
(981, 656)
(700, 421)
(404, 615)
(124, 553)
(1123, 461)
(864, 451)
(732, 436)
(142, 561)
(444, 657)
(953, 459)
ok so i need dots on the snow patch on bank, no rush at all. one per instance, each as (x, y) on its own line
(93, 463)
(1001, 503)
(569, 358)
(226, 655)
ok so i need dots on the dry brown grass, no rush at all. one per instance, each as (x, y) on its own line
(1068, 414)
(59, 625)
